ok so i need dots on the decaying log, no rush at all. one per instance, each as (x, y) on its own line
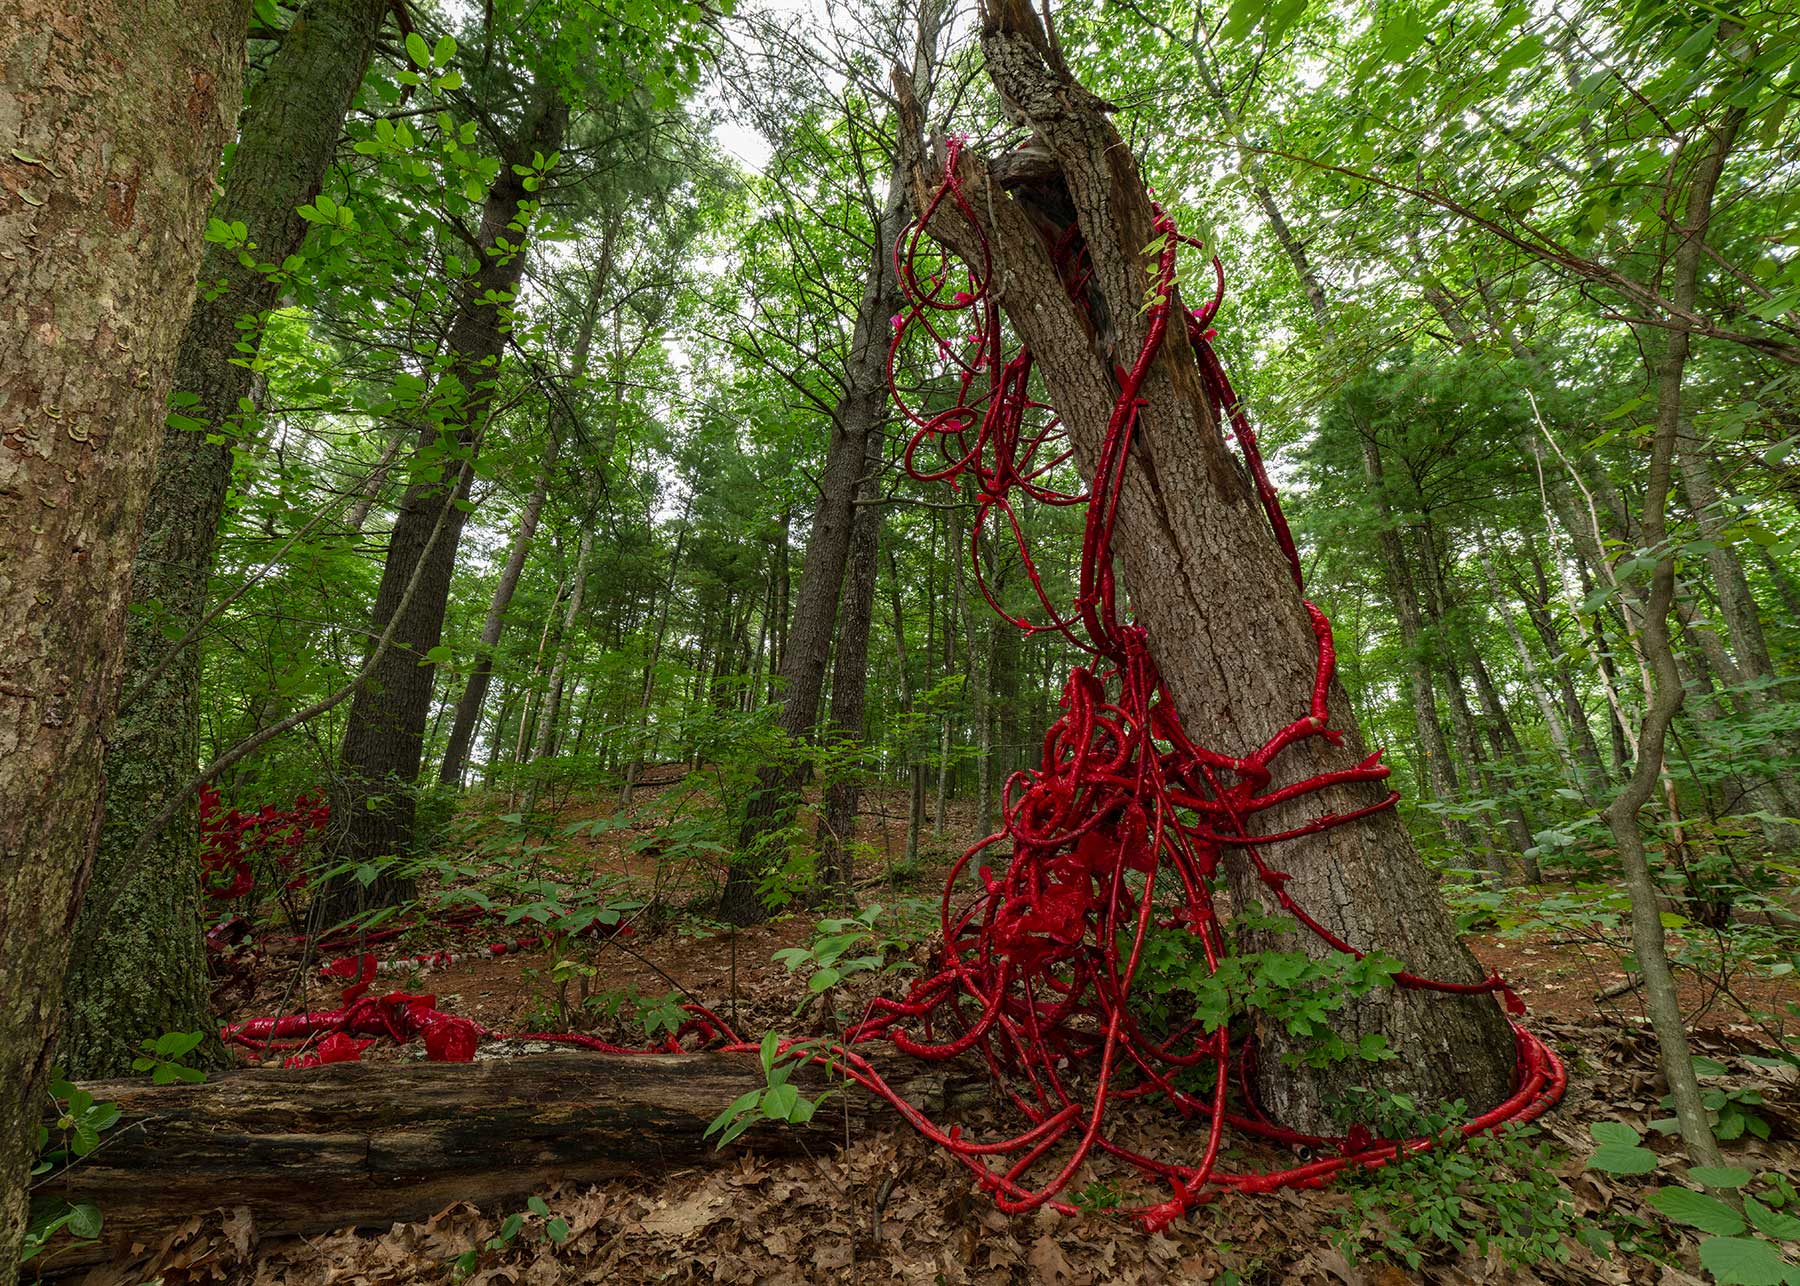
(353, 1144)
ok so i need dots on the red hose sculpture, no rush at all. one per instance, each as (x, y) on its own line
(1038, 965)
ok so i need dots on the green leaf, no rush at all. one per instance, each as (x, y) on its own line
(1744, 1261)
(770, 1042)
(418, 50)
(84, 1220)
(557, 1230)
(444, 51)
(1772, 1223)
(1615, 1158)
(743, 1103)
(1719, 1176)
(1697, 1210)
(822, 979)
(1614, 1132)
(778, 1102)
(537, 1207)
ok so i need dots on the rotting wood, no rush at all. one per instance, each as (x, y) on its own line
(346, 1144)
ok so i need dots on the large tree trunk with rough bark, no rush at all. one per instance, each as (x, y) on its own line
(116, 115)
(372, 800)
(1226, 625)
(139, 966)
(308, 1151)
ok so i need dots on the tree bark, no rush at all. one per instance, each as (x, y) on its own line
(373, 795)
(850, 676)
(145, 973)
(474, 694)
(116, 116)
(317, 1149)
(1188, 524)
(807, 642)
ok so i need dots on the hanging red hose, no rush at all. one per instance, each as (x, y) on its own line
(1038, 965)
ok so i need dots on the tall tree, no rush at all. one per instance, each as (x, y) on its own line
(139, 967)
(860, 412)
(1188, 522)
(372, 799)
(117, 115)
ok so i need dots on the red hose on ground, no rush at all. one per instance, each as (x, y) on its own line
(1035, 976)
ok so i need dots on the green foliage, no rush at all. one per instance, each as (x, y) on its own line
(1740, 1238)
(162, 1057)
(1298, 992)
(536, 1220)
(780, 1099)
(75, 1134)
(875, 940)
(1466, 1194)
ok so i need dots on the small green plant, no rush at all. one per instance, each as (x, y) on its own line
(162, 1057)
(1741, 1241)
(779, 1100)
(555, 1230)
(1732, 1110)
(846, 947)
(1289, 988)
(657, 1015)
(1099, 1196)
(80, 1121)
(1465, 1192)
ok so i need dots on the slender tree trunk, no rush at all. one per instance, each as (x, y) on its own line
(474, 694)
(373, 795)
(850, 673)
(145, 973)
(915, 770)
(116, 118)
(1188, 524)
(647, 691)
(1664, 694)
(859, 413)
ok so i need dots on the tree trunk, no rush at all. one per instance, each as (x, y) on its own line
(116, 118)
(141, 971)
(1187, 525)
(373, 795)
(850, 676)
(474, 694)
(1663, 690)
(313, 1150)
(807, 643)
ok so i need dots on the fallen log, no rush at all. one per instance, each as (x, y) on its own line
(314, 1149)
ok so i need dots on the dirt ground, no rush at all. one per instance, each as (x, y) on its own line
(892, 1208)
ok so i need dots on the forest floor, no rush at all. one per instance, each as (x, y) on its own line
(893, 1208)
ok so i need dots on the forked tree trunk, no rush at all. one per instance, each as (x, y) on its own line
(140, 970)
(116, 116)
(1188, 526)
(372, 798)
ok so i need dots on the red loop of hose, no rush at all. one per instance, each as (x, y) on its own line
(1037, 964)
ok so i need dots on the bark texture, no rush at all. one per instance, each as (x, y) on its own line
(308, 1151)
(114, 117)
(806, 645)
(372, 801)
(1240, 663)
(140, 967)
